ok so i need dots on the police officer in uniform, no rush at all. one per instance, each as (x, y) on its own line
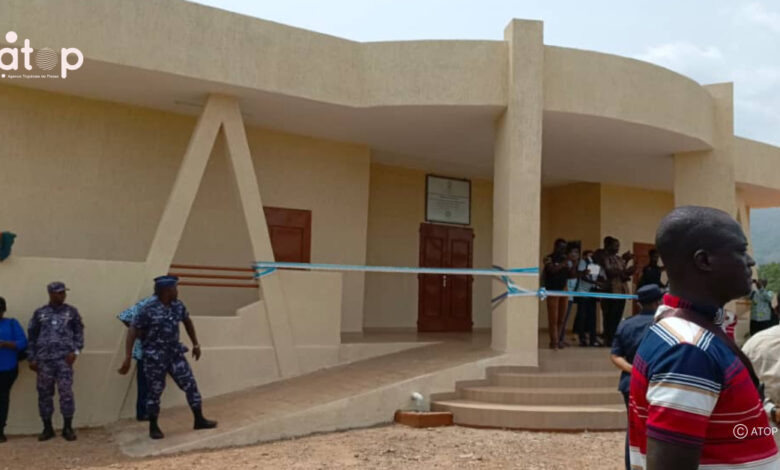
(628, 337)
(158, 326)
(56, 337)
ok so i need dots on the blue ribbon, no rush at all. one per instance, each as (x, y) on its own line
(264, 266)
(264, 272)
(544, 293)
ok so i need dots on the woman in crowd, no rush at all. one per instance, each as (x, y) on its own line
(557, 269)
(12, 342)
(573, 258)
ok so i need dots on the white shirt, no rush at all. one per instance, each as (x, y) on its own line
(584, 285)
(763, 350)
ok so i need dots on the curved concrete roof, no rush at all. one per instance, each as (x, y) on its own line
(610, 86)
(187, 40)
(431, 99)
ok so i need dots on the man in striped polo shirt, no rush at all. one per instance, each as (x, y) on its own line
(694, 400)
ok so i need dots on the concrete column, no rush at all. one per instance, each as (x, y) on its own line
(742, 306)
(517, 186)
(707, 178)
(743, 217)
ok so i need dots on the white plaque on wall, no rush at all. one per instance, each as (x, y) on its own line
(447, 200)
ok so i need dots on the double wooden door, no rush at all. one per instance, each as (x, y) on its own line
(641, 260)
(445, 300)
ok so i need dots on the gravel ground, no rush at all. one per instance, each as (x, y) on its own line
(387, 447)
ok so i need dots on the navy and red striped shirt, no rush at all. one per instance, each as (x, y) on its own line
(688, 387)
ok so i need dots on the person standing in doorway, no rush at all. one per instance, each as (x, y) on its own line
(12, 343)
(761, 311)
(556, 272)
(628, 337)
(56, 338)
(617, 270)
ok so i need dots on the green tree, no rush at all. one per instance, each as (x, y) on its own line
(771, 272)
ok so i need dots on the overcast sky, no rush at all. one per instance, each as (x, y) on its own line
(710, 41)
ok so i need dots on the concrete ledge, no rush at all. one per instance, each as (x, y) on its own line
(424, 419)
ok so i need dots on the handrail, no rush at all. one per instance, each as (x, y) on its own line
(212, 276)
(216, 284)
(210, 268)
(185, 275)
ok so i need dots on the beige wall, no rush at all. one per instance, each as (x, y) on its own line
(397, 208)
(571, 212)
(632, 215)
(99, 180)
(332, 180)
(95, 186)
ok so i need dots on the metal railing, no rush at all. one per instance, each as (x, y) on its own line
(181, 271)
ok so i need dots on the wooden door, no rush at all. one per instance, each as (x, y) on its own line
(445, 300)
(290, 231)
(641, 259)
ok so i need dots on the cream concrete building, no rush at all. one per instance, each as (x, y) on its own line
(184, 122)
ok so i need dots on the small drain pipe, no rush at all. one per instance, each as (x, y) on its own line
(419, 402)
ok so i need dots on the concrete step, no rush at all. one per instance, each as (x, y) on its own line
(559, 418)
(574, 396)
(554, 379)
(569, 364)
(597, 364)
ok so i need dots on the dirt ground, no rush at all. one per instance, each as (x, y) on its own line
(387, 447)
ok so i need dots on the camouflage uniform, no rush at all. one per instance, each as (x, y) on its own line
(163, 354)
(54, 332)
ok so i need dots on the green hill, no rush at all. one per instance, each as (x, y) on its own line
(765, 232)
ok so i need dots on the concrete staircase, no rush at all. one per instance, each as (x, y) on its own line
(572, 390)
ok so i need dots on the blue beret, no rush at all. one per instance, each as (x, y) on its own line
(649, 293)
(56, 287)
(165, 281)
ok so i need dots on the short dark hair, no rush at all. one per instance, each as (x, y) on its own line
(652, 252)
(558, 241)
(608, 240)
(571, 246)
(2, 305)
(690, 228)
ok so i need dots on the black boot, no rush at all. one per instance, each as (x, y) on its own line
(154, 430)
(201, 422)
(67, 430)
(2, 435)
(48, 431)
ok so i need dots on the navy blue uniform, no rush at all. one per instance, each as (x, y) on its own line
(628, 336)
(54, 332)
(163, 353)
